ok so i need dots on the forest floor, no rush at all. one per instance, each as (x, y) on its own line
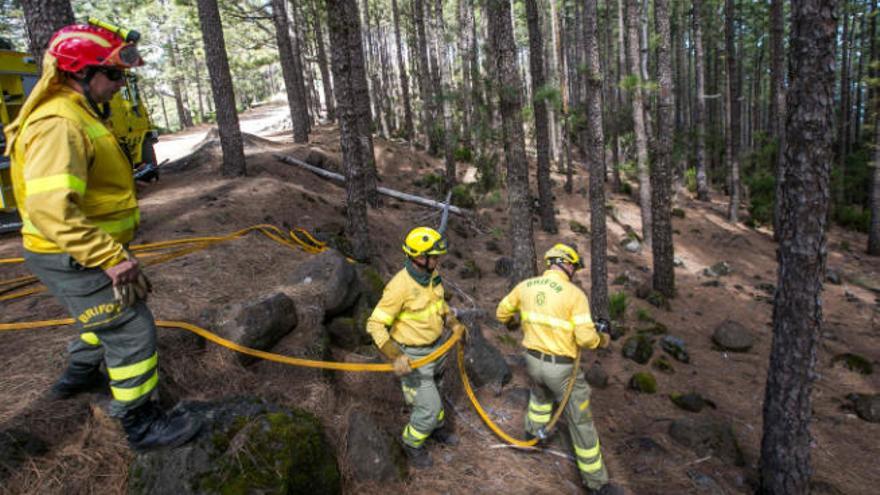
(88, 454)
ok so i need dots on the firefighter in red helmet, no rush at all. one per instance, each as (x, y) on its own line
(74, 189)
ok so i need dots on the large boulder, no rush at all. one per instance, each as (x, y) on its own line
(483, 362)
(373, 454)
(246, 446)
(334, 277)
(707, 436)
(639, 348)
(258, 324)
(867, 407)
(732, 336)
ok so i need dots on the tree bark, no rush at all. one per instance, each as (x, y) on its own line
(843, 113)
(184, 117)
(222, 89)
(424, 77)
(733, 109)
(326, 84)
(874, 227)
(404, 80)
(465, 42)
(539, 105)
(443, 90)
(509, 91)
(797, 308)
(42, 18)
(700, 107)
(661, 170)
(638, 111)
(595, 157)
(777, 101)
(292, 80)
(343, 20)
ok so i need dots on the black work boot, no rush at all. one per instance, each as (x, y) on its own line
(149, 427)
(445, 435)
(606, 489)
(419, 458)
(78, 378)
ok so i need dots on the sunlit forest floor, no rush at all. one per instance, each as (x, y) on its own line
(88, 454)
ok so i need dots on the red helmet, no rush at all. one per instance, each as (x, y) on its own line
(80, 45)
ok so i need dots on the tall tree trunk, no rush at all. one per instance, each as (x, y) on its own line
(595, 156)
(733, 109)
(184, 117)
(424, 76)
(856, 118)
(444, 90)
(661, 170)
(465, 29)
(539, 104)
(42, 18)
(197, 72)
(293, 84)
(509, 91)
(562, 62)
(326, 84)
(349, 75)
(700, 107)
(802, 252)
(374, 85)
(843, 113)
(777, 101)
(404, 80)
(222, 89)
(638, 110)
(621, 94)
(874, 227)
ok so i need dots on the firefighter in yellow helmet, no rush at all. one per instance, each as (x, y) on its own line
(76, 195)
(407, 325)
(555, 318)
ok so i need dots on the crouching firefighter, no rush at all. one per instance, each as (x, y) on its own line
(555, 318)
(74, 189)
(414, 309)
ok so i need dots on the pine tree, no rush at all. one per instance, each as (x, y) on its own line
(293, 80)
(43, 18)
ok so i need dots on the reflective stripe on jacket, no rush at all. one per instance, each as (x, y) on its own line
(73, 184)
(415, 313)
(555, 314)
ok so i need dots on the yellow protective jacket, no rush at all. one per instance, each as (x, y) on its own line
(415, 313)
(73, 184)
(555, 314)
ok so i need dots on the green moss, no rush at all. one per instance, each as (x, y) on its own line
(373, 284)
(578, 228)
(663, 365)
(617, 306)
(678, 213)
(643, 382)
(282, 453)
(644, 315)
(854, 362)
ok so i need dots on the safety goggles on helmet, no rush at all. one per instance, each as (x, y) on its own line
(562, 253)
(424, 241)
(126, 56)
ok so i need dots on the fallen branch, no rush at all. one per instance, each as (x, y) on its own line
(338, 178)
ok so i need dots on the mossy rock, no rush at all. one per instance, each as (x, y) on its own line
(643, 382)
(692, 401)
(246, 446)
(854, 362)
(655, 328)
(658, 300)
(663, 365)
(578, 228)
(371, 283)
(639, 348)
(678, 213)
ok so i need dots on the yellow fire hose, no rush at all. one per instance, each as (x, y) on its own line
(302, 239)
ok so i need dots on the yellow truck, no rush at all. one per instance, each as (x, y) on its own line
(129, 120)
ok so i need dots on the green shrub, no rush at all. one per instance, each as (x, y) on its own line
(690, 179)
(762, 191)
(852, 217)
(617, 306)
(463, 197)
(463, 154)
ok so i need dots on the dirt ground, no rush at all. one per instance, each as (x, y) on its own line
(88, 453)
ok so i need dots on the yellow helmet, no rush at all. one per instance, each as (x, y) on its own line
(424, 241)
(561, 252)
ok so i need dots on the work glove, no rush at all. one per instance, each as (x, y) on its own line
(604, 340)
(128, 293)
(603, 326)
(402, 366)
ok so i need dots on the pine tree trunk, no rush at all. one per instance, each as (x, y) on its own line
(595, 156)
(797, 308)
(222, 89)
(733, 109)
(374, 85)
(404, 80)
(424, 77)
(42, 18)
(874, 227)
(465, 29)
(843, 113)
(856, 117)
(444, 91)
(326, 84)
(539, 105)
(509, 91)
(293, 84)
(343, 21)
(700, 107)
(661, 169)
(632, 21)
(197, 70)
(777, 101)
(184, 117)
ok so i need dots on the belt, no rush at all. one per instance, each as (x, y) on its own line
(432, 344)
(550, 358)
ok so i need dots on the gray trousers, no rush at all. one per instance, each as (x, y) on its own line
(124, 338)
(550, 381)
(421, 393)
